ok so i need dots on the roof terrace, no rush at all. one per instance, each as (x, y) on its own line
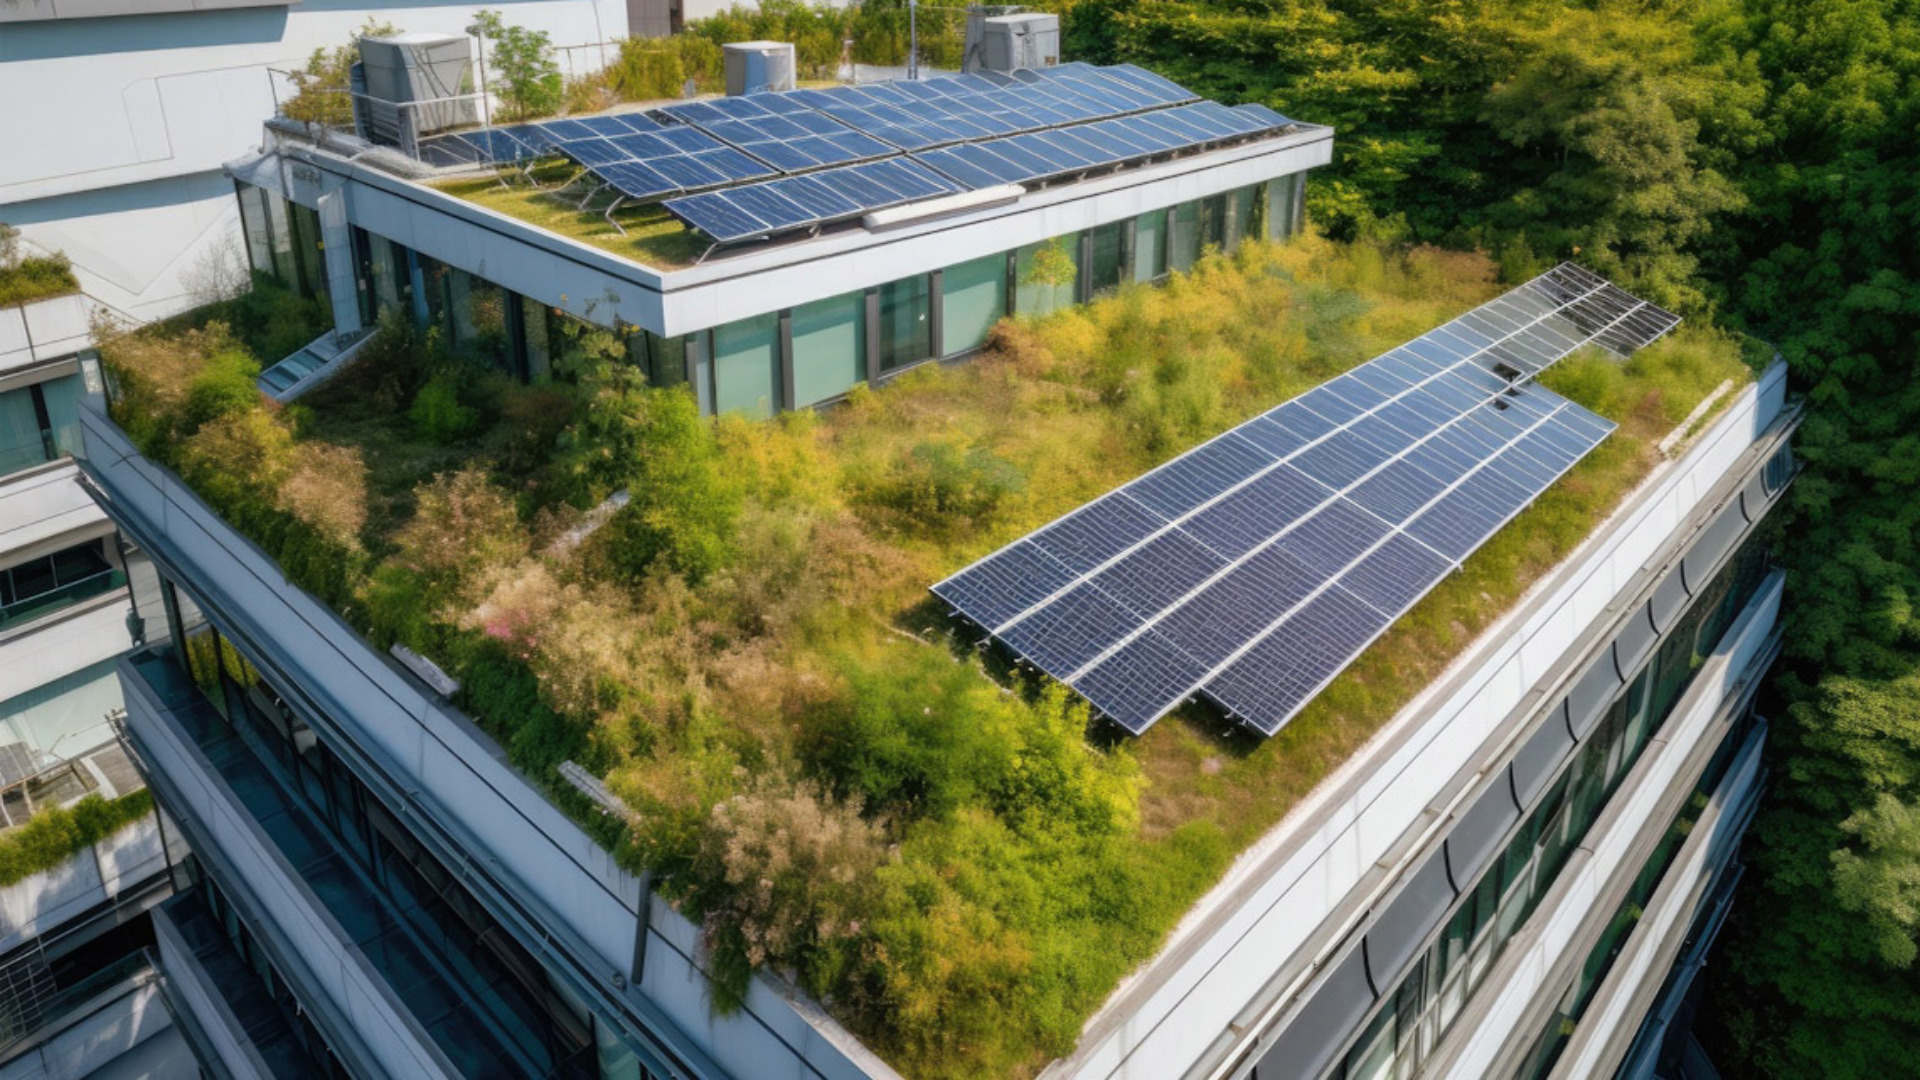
(943, 851)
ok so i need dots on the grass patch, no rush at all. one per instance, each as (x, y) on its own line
(37, 278)
(825, 774)
(653, 237)
(57, 833)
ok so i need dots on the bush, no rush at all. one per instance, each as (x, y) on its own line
(273, 321)
(437, 414)
(37, 277)
(225, 387)
(527, 79)
(938, 487)
(56, 834)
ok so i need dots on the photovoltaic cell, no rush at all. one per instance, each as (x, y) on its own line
(1254, 568)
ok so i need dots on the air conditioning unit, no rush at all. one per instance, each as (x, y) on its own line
(402, 69)
(1007, 42)
(753, 66)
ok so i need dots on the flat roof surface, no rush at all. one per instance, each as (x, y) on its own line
(750, 640)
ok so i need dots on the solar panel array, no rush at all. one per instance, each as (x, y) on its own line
(1254, 568)
(797, 202)
(933, 137)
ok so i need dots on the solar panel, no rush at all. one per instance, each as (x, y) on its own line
(790, 142)
(799, 202)
(1254, 568)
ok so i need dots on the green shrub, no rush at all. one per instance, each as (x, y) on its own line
(56, 834)
(37, 277)
(527, 79)
(938, 487)
(273, 321)
(225, 387)
(648, 69)
(437, 414)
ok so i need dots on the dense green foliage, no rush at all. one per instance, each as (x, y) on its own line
(26, 278)
(57, 833)
(520, 66)
(836, 788)
(1750, 160)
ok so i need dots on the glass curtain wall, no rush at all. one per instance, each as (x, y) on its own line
(1150, 245)
(906, 322)
(502, 985)
(973, 296)
(1183, 236)
(1619, 929)
(663, 360)
(829, 347)
(1048, 275)
(746, 366)
(49, 583)
(1243, 208)
(257, 227)
(1421, 1010)
(40, 422)
(1109, 267)
(1281, 193)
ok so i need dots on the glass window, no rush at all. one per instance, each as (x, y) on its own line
(1183, 236)
(1779, 469)
(662, 360)
(1150, 245)
(1240, 215)
(389, 268)
(1281, 193)
(1213, 222)
(312, 279)
(21, 446)
(905, 328)
(536, 340)
(746, 372)
(1109, 268)
(255, 225)
(281, 232)
(1047, 274)
(829, 347)
(973, 296)
(62, 398)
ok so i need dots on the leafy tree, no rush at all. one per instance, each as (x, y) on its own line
(320, 88)
(526, 76)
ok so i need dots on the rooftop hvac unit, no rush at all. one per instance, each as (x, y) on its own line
(402, 69)
(1007, 42)
(753, 66)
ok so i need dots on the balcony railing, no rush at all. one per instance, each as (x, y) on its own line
(73, 592)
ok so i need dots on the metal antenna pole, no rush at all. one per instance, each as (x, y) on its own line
(913, 40)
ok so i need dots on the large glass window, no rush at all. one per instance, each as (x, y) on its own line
(1183, 236)
(62, 397)
(22, 444)
(973, 296)
(1048, 275)
(281, 232)
(1150, 245)
(1241, 211)
(1494, 909)
(311, 277)
(1281, 195)
(829, 347)
(1213, 222)
(905, 322)
(255, 225)
(38, 587)
(1109, 269)
(746, 369)
(664, 360)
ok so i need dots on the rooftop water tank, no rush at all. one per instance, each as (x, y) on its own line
(753, 66)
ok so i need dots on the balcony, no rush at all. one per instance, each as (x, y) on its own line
(414, 1012)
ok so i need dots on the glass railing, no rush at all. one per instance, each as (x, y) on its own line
(25, 455)
(46, 603)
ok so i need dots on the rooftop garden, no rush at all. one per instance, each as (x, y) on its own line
(27, 278)
(835, 783)
(646, 234)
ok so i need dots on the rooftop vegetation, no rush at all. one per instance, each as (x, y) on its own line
(26, 278)
(835, 784)
(57, 833)
(646, 234)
